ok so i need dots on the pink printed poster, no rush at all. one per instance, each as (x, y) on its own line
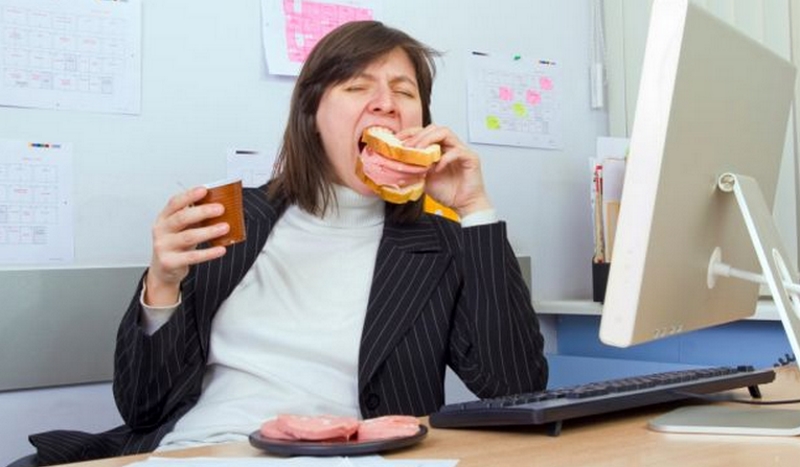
(291, 28)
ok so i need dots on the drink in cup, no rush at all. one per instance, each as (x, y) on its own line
(229, 194)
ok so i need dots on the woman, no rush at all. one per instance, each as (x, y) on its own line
(337, 302)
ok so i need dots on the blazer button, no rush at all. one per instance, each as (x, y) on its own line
(373, 401)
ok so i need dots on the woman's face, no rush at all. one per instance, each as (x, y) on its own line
(385, 93)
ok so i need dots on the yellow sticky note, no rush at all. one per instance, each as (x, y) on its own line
(492, 122)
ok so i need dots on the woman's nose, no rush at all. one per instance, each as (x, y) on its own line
(383, 101)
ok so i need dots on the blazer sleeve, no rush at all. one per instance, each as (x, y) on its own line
(496, 346)
(155, 375)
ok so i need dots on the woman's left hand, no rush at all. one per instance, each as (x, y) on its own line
(456, 180)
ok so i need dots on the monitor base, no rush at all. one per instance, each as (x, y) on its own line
(726, 420)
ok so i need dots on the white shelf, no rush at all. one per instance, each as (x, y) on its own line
(765, 311)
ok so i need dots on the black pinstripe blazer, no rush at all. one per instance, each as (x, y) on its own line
(441, 295)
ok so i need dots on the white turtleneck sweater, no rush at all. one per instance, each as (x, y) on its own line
(287, 338)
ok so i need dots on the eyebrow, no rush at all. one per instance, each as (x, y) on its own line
(394, 80)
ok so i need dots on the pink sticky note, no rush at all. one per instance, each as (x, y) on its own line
(533, 97)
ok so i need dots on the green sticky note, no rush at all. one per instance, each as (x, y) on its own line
(519, 110)
(492, 122)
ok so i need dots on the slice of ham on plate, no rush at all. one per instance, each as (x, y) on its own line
(317, 428)
(388, 426)
(270, 429)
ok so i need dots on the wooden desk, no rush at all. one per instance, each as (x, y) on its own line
(619, 439)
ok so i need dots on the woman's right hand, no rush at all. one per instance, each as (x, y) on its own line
(176, 234)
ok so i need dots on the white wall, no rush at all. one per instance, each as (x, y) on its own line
(205, 89)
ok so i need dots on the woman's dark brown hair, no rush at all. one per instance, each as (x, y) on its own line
(303, 174)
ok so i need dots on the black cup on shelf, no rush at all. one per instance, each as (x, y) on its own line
(599, 280)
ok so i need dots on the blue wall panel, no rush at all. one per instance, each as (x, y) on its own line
(757, 343)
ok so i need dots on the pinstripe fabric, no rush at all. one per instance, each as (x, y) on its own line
(441, 295)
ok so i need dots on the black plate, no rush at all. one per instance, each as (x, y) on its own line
(334, 448)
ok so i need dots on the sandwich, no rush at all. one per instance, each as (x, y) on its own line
(394, 171)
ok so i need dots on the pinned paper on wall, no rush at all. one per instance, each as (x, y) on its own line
(253, 167)
(291, 28)
(36, 225)
(513, 101)
(80, 55)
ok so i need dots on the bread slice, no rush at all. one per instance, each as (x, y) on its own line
(391, 194)
(382, 141)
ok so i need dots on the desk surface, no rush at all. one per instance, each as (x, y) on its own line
(597, 441)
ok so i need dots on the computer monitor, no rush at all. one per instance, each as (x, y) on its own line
(705, 150)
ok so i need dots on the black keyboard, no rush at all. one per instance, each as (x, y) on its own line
(552, 406)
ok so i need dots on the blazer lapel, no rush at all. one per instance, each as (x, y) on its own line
(218, 278)
(409, 265)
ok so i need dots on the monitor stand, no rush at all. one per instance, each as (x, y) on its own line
(782, 280)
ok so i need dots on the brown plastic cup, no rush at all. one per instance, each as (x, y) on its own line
(229, 194)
